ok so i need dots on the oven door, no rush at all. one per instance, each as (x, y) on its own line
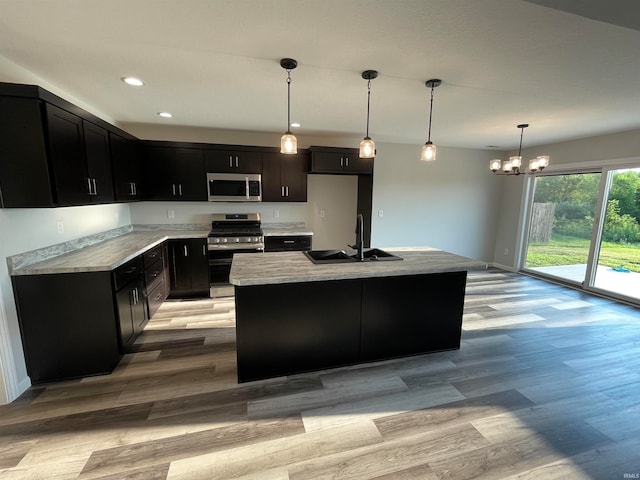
(220, 263)
(234, 187)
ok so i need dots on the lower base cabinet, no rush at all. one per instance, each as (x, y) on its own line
(189, 268)
(283, 329)
(68, 325)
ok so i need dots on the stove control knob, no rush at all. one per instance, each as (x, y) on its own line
(255, 239)
(223, 240)
(216, 240)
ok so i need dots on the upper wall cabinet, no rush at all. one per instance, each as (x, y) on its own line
(176, 173)
(52, 152)
(339, 160)
(128, 169)
(284, 177)
(233, 161)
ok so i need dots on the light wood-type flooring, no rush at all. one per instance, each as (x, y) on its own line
(546, 385)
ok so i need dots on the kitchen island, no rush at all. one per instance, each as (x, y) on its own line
(295, 316)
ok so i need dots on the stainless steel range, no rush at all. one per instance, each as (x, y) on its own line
(231, 233)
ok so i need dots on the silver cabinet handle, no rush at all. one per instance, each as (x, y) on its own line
(236, 161)
(346, 161)
(204, 250)
(341, 160)
(186, 252)
(288, 241)
(230, 161)
(287, 187)
(135, 189)
(173, 189)
(246, 187)
(89, 183)
(95, 189)
(180, 189)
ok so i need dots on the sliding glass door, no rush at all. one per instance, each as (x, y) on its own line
(584, 228)
(561, 225)
(618, 254)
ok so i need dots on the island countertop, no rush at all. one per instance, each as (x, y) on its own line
(294, 267)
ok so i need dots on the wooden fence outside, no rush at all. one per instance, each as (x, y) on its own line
(542, 222)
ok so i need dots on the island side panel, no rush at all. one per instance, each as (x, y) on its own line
(410, 315)
(290, 328)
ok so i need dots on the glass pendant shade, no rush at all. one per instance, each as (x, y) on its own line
(507, 167)
(495, 165)
(516, 161)
(533, 165)
(428, 153)
(367, 148)
(288, 143)
(543, 161)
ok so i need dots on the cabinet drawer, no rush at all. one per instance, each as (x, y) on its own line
(127, 272)
(287, 243)
(156, 296)
(152, 256)
(153, 274)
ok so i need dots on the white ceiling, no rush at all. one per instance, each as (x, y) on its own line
(571, 71)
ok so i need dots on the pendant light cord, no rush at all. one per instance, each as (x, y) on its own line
(430, 112)
(368, 104)
(288, 101)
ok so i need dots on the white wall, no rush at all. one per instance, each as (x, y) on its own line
(448, 204)
(602, 150)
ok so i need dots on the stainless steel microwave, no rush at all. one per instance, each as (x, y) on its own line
(234, 187)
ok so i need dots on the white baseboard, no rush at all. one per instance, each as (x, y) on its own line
(503, 267)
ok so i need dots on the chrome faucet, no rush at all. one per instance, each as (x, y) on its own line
(359, 246)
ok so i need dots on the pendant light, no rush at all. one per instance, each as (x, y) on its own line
(368, 146)
(512, 166)
(288, 142)
(428, 153)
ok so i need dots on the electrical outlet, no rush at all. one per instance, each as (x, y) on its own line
(506, 251)
(171, 214)
(276, 214)
(380, 213)
(321, 213)
(60, 228)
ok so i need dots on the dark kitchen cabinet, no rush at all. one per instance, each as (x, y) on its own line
(96, 145)
(68, 324)
(339, 160)
(233, 161)
(79, 158)
(127, 168)
(130, 300)
(189, 268)
(284, 177)
(176, 173)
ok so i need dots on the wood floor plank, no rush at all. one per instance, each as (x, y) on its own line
(275, 453)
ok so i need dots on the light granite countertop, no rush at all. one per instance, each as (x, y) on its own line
(106, 255)
(294, 267)
(274, 232)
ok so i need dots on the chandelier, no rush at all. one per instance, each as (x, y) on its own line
(513, 165)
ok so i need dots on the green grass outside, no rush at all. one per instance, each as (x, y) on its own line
(564, 250)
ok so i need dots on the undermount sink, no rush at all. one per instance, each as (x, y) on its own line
(349, 256)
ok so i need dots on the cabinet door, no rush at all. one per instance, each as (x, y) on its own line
(124, 299)
(354, 164)
(284, 177)
(327, 162)
(293, 175)
(233, 161)
(176, 173)
(189, 267)
(96, 142)
(127, 169)
(67, 157)
(138, 307)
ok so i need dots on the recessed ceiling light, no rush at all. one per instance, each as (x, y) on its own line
(136, 82)
(295, 125)
(165, 114)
